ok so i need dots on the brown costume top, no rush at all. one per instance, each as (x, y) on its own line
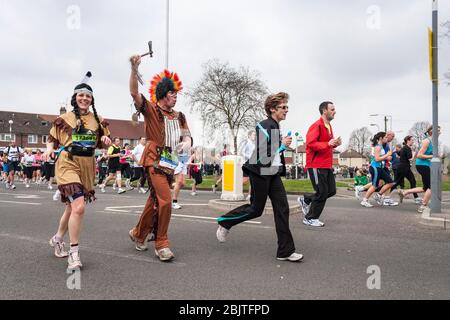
(155, 130)
(75, 174)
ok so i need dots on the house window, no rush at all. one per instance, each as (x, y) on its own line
(32, 139)
(7, 137)
(44, 139)
(44, 123)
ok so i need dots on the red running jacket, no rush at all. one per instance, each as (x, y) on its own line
(318, 153)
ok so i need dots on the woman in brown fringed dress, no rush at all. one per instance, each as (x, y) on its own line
(77, 134)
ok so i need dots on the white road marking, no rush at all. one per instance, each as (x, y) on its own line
(18, 202)
(31, 196)
(208, 218)
(113, 210)
(135, 257)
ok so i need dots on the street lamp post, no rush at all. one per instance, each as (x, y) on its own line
(435, 205)
(386, 117)
(167, 33)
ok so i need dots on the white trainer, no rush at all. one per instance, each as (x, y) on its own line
(176, 205)
(57, 195)
(293, 257)
(378, 198)
(60, 248)
(313, 222)
(74, 262)
(164, 254)
(366, 203)
(305, 207)
(222, 234)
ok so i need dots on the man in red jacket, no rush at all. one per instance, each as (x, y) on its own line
(320, 144)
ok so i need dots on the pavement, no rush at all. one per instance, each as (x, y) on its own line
(361, 253)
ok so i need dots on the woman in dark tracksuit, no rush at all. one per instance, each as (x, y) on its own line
(265, 168)
(404, 167)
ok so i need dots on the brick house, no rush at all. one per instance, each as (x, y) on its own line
(30, 130)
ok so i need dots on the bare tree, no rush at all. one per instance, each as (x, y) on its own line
(228, 98)
(418, 131)
(360, 140)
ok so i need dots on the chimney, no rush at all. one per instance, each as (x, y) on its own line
(62, 110)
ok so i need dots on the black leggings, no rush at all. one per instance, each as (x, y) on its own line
(403, 173)
(28, 172)
(139, 174)
(125, 168)
(425, 172)
(49, 171)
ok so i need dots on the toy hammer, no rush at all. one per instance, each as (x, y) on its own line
(150, 50)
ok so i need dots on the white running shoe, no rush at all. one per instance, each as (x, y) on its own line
(74, 262)
(102, 188)
(8, 185)
(50, 187)
(27, 186)
(358, 191)
(389, 202)
(176, 205)
(378, 198)
(120, 191)
(305, 207)
(222, 234)
(57, 195)
(142, 190)
(293, 257)
(164, 254)
(193, 193)
(366, 203)
(139, 246)
(313, 222)
(114, 186)
(418, 200)
(13, 187)
(422, 208)
(60, 248)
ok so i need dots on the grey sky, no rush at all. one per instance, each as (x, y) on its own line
(314, 50)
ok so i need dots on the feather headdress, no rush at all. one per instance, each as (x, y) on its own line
(169, 80)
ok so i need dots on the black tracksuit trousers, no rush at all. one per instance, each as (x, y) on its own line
(263, 187)
(325, 186)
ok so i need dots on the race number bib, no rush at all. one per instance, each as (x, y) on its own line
(84, 138)
(168, 160)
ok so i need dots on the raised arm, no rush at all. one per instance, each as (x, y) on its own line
(134, 85)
